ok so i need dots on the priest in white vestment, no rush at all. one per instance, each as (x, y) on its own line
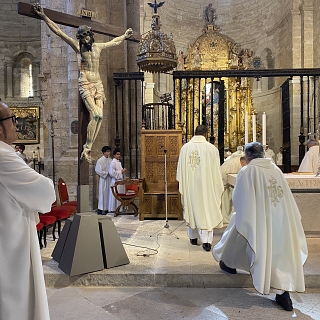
(102, 169)
(201, 187)
(265, 236)
(23, 193)
(310, 161)
(117, 173)
(233, 165)
(269, 153)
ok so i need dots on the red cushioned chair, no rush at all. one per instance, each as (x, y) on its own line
(64, 195)
(72, 209)
(48, 221)
(39, 227)
(60, 213)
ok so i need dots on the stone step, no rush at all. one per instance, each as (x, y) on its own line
(161, 257)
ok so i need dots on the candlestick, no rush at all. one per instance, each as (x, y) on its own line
(246, 129)
(254, 132)
(264, 129)
(39, 158)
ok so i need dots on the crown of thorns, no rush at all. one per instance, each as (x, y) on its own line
(84, 31)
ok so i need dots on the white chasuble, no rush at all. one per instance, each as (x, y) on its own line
(233, 165)
(265, 235)
(23, 193)
(102, 167)
(200, 184)
(310, 162)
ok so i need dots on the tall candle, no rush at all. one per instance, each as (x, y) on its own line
(254, 129)
(246, 129)
(33, 154)
(264, 129)
(39, 159)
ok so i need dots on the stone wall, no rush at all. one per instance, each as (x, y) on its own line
(19, 37)
(316, 34)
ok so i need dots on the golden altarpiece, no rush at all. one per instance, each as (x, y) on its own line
(197, 99)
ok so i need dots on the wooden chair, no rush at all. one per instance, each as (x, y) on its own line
(126, 199)
(64, 195)
(40, 227)
(47, 221)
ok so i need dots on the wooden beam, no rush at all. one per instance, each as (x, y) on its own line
(26, 9)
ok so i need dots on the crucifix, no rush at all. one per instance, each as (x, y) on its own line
(91, 92)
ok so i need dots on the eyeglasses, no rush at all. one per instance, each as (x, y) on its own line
(13, 118)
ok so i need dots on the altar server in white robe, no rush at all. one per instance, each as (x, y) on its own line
(233, 165)
(310, 161)
(201, 187)
(117, 173)
(265, 236)
(23, 193)
(102, 169)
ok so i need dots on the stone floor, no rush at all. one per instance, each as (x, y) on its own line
(168, 278)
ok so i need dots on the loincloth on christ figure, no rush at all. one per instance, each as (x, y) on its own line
(92, 89)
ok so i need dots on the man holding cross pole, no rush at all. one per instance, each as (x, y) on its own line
(90, 84)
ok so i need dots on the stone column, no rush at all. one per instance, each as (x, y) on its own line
(35, 74)
(8, 66)
(296, 35)
(306, 10)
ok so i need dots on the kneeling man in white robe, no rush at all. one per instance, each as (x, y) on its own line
(265, 235)
(201, 187)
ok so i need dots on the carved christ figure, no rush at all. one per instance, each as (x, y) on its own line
(90, 84)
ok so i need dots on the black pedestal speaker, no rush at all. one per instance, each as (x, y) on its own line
(112, 249)
(88, 244)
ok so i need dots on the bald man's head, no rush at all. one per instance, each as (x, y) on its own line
(8, 125)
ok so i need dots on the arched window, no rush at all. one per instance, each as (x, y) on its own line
(26, 80)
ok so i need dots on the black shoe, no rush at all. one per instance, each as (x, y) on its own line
(206, 246)
(106, 212)
(284, 301)
(194, 242)
(99, 211)
(226, 268)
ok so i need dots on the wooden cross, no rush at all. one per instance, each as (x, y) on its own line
(26, 9)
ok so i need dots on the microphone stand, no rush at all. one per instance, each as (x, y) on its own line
(166, 226)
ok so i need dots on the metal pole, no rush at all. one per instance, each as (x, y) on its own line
(52, 121)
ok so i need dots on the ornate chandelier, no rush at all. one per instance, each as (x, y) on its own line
(156, 51)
